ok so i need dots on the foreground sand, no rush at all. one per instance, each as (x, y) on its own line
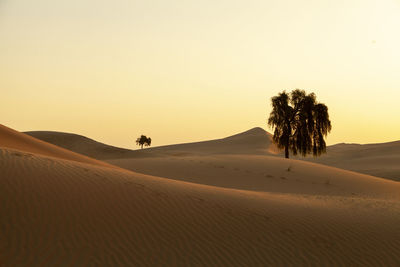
(58, 212)
(61, 213)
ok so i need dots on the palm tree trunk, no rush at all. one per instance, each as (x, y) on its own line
(287, 152)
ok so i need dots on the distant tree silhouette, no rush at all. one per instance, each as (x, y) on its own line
(143, 140)
(300, 123)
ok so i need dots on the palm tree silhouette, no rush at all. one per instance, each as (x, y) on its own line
(300, 123)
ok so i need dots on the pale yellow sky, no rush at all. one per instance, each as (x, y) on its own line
(183, 71)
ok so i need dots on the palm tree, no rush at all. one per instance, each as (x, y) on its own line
(300, 123)
(280, 118)
(148, 143)
(321, 128)
(143, 140)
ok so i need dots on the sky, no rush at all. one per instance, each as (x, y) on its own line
(182, 70)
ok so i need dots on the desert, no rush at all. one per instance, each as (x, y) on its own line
(199, 133)
(208, 209)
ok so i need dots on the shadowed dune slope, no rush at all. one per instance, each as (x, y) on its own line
(80, 144)
(13, 139)
(55, 212)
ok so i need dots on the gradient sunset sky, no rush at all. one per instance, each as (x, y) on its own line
(183, 71)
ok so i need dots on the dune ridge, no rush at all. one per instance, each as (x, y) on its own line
(80, 144)
(10, 138)
(380, 160)
(253, 141)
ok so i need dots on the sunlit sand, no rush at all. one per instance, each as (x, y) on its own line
(231, 201)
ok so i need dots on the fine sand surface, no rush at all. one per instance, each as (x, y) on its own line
(381, 160)
(56, 212)
(10, 138)
(80, 144)
(59, 212)
(263, 174)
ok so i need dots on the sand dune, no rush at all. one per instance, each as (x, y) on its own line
(57, 212)
(254, 141)
(63, 213)
(263, 174)
(80, 144)
(10, 138)
(381, 160)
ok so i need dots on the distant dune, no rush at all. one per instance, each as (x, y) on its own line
(80, 144)
(58, 212)
(254, 141)
(381, 160)
(10, 138)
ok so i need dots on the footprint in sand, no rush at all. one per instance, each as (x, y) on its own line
(218, 166)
